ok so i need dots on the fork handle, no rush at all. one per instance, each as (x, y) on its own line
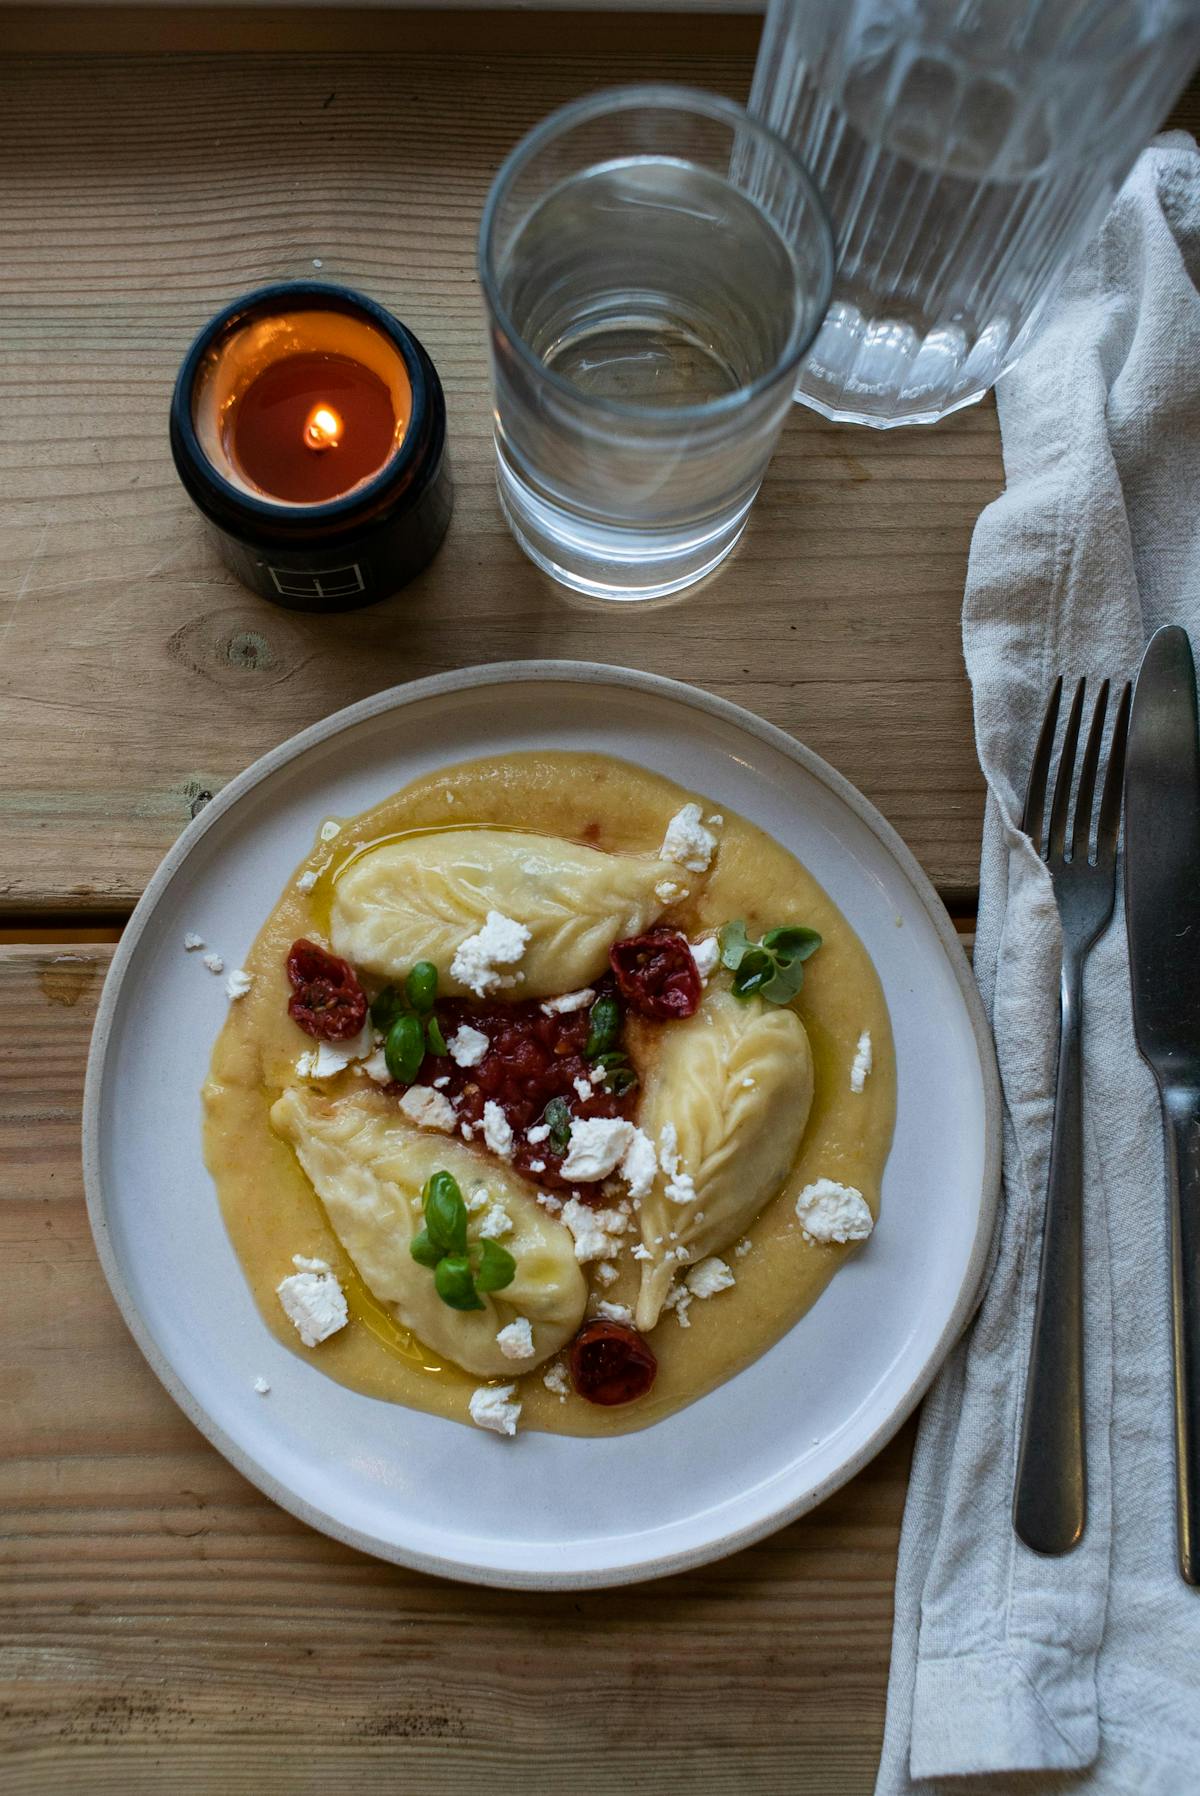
(1181, 1109)
(1050, 1498)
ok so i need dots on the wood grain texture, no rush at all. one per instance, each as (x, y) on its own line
(140, 193)
(164, 1626)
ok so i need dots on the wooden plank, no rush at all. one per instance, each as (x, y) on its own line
(512, 31)
(140, 193)
(164, 1626)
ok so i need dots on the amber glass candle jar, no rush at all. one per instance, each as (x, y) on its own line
(309, 427)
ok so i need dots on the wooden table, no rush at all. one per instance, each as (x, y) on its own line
(164, 1626)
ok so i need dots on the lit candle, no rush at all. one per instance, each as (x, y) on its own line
(308, 425)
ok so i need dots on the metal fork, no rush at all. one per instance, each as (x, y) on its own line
(1050, 1498)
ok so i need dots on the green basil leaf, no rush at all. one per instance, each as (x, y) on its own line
(621, 1080)
(497, 1268)
(755, 968)
(435, 1038)
(423, 1251)
(734, 943)
(445, 1213)
(421, 985)
(558, 1116)
(455, 1286)
(385, 1008)
(618, 1058)
(605, 1031)
(782, 987)
(791, 942)
(404, 1049)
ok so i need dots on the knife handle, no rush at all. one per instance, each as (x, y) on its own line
(1050, 1496)
(1181, 1107)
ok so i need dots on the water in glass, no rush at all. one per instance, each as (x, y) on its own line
(648, 315)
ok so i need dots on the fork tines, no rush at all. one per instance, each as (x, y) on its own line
(1109, 822)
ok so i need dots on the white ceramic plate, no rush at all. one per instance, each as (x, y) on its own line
(541, 1510)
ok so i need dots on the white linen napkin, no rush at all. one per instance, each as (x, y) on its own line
(1082, 1672)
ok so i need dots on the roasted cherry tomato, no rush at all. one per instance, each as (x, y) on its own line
(656, 974)
(327, 1002)
(611, 1363)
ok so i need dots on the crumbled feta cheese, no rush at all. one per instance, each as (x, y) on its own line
(606, 1273)
(478, 1199)
(639, 1163)
(261, 1385)
(556, 1381)
(497, 1130)
(863, 1062)
(330, 829)
(467, 1045)
(641, 1252)
(450, 798)
(214, 963)
(832, 1212)
(680, 1187)
(706, 953)
(192, 941)
(679, 1299)
(597, 1076)
(441, 1084)
(238, 984)
(614, 1312)
(303, 1264)
(467, 1131)
(500, 943)
(743, 1247)
(597, 1232)
(497, 1222)
(568, 1002)
(492, 1406)
(687, 842)
(716, 820)
(598, 1145)
(428, 1108)
(331, 1057)
(376, 1067)
(583, 1089)
(307, 880)
(516, 1341)
(667, 892)
(748, 1083)
(549, 1202)
(709, 1277)
(540, 1132)
(537, 1166)
(316, 1303)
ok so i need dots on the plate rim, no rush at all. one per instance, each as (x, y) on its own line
(434, 686)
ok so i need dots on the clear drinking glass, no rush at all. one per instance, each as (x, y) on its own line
(655, 264)
(966, 149)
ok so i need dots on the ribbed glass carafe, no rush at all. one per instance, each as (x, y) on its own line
(966, 150)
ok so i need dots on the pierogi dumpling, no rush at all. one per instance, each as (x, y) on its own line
(726, 1103)
(368, 1165)
(420, 898)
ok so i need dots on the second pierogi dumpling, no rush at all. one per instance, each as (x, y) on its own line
(368, 1166)
(726, 1103)
(421, 898)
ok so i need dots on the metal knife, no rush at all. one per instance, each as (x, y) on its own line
(1162, 914)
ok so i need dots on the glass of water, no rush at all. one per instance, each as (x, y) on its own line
(967, 150)
(655, 264)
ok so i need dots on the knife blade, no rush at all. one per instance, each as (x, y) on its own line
(1162, 917)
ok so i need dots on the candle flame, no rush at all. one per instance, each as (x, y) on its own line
(323, 428)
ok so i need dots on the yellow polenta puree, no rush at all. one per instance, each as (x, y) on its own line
(272, 1211)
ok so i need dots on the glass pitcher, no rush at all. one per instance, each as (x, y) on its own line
(966, 149)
